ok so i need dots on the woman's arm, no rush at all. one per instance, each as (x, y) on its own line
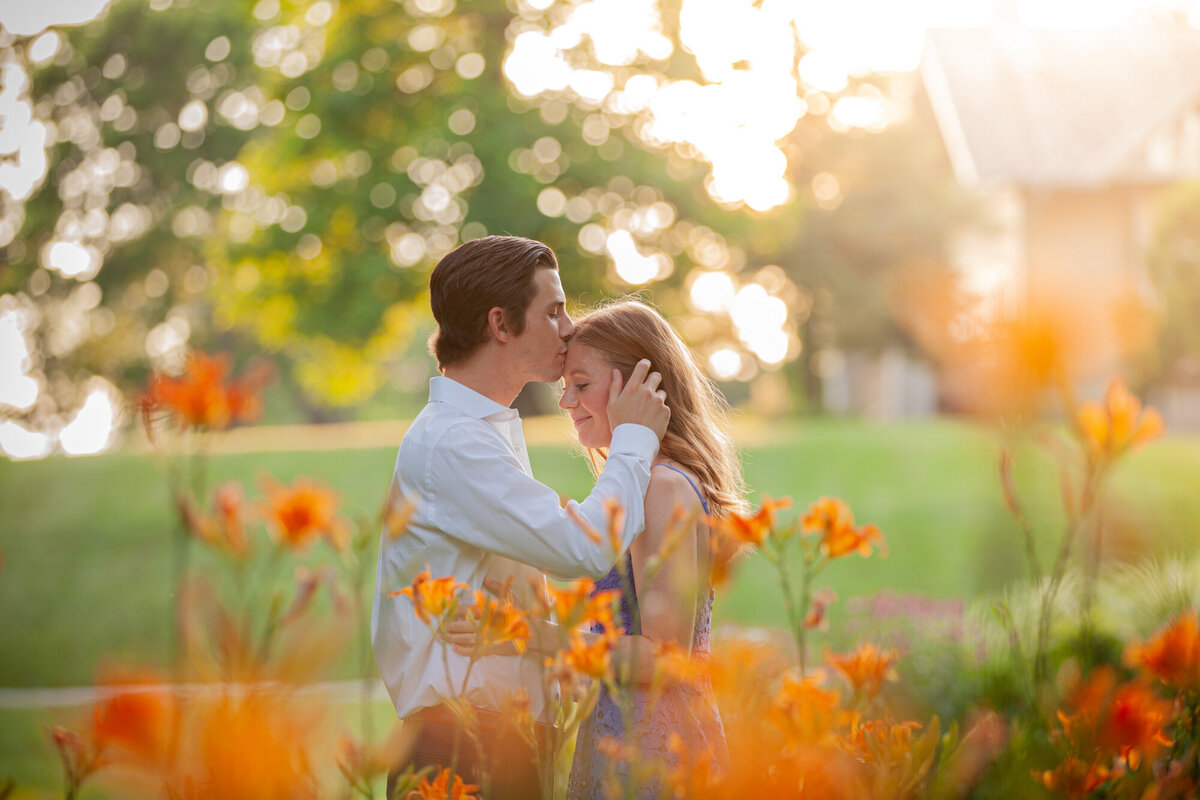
(666, 598)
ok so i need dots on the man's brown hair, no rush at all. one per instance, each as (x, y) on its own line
(474, 278)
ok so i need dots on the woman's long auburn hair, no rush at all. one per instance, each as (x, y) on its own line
(697, 437)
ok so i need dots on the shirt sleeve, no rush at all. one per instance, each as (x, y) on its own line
(481, 496)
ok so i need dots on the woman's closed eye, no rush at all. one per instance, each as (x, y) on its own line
(579, 387)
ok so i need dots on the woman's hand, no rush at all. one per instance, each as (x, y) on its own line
(462, 634)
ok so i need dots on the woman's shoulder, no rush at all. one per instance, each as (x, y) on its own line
(671, 485)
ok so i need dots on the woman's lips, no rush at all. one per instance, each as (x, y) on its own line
(580, 421)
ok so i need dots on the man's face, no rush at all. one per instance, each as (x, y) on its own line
(542, 346)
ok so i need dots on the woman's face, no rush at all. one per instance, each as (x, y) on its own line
(587, 376)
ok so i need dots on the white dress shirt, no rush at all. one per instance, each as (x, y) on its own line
(480, 513)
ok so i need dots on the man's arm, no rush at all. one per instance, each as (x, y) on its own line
(496, 506)
(500, 508)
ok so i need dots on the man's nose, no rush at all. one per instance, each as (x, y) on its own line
(567, 327)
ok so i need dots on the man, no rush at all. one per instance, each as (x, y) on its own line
(502, 323)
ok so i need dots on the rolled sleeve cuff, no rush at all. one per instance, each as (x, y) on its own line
(637, 440)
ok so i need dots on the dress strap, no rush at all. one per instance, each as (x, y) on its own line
(696, 489)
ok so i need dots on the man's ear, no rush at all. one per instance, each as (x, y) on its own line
(497, 325)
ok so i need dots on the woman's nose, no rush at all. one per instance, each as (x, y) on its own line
(567, 400)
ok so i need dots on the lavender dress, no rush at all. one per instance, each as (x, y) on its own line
(688, 711)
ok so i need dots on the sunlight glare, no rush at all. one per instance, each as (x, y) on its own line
(31, 18)
(725, 363)
(94, 426)
(632, 267)
(20, 443)
(711, 291)
(17, 389)
(71, 259)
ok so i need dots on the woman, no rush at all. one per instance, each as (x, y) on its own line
(697, 469)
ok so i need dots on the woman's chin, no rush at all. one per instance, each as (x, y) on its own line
(594, 442)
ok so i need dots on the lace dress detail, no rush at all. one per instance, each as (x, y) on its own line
(690, 712)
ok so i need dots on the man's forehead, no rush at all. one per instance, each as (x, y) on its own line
(550, 285)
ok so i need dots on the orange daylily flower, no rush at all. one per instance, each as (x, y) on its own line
(808, 713)
(202, 398)
(225, 527)
(614, 515)
(300, 514)
(822, 599)
(866, 668)
(500, 622)
(432, 597)
(364, 761)
(1004, 365)
(695, 774)
(843, 541)
(883, 741)
(1125, 720)
(586, 659)
(569, 603)
(441, 788)
(1075, 778)
(724, 549)
(1173, 654)
(516, 709)
(252, 747)
(675, 666)
(137, 718)
(833, 520)
(753, 530)
(1120, 424)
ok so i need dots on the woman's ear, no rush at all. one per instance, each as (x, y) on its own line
(497, 325)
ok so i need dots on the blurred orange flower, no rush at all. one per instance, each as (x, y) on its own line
(432, 597)
(137, 717)
(822, 599)
(499, 622)
(362, 762)
(808, 713)
(1125, 720)
(586, 655)
(1118, 425)
(1075, 778)
(202, 398)
(398, 510)
(1002, 364)
(252, 747)
(694, 774)
(866, 668)
(1173, 654)
(675, 666)
(442, 788)
(516, 709)
(614, 515)
(225, 527)
(724, 550)
(833, 520)
(753, 530)
(299, 514)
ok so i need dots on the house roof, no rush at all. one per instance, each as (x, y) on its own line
(1058, 107)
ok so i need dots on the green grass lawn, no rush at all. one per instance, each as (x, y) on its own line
(86, 542)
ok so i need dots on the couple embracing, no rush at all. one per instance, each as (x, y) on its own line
(655, 427)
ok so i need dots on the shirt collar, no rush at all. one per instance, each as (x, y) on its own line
(467, 400)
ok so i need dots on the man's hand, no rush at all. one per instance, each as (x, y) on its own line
(640, 401)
